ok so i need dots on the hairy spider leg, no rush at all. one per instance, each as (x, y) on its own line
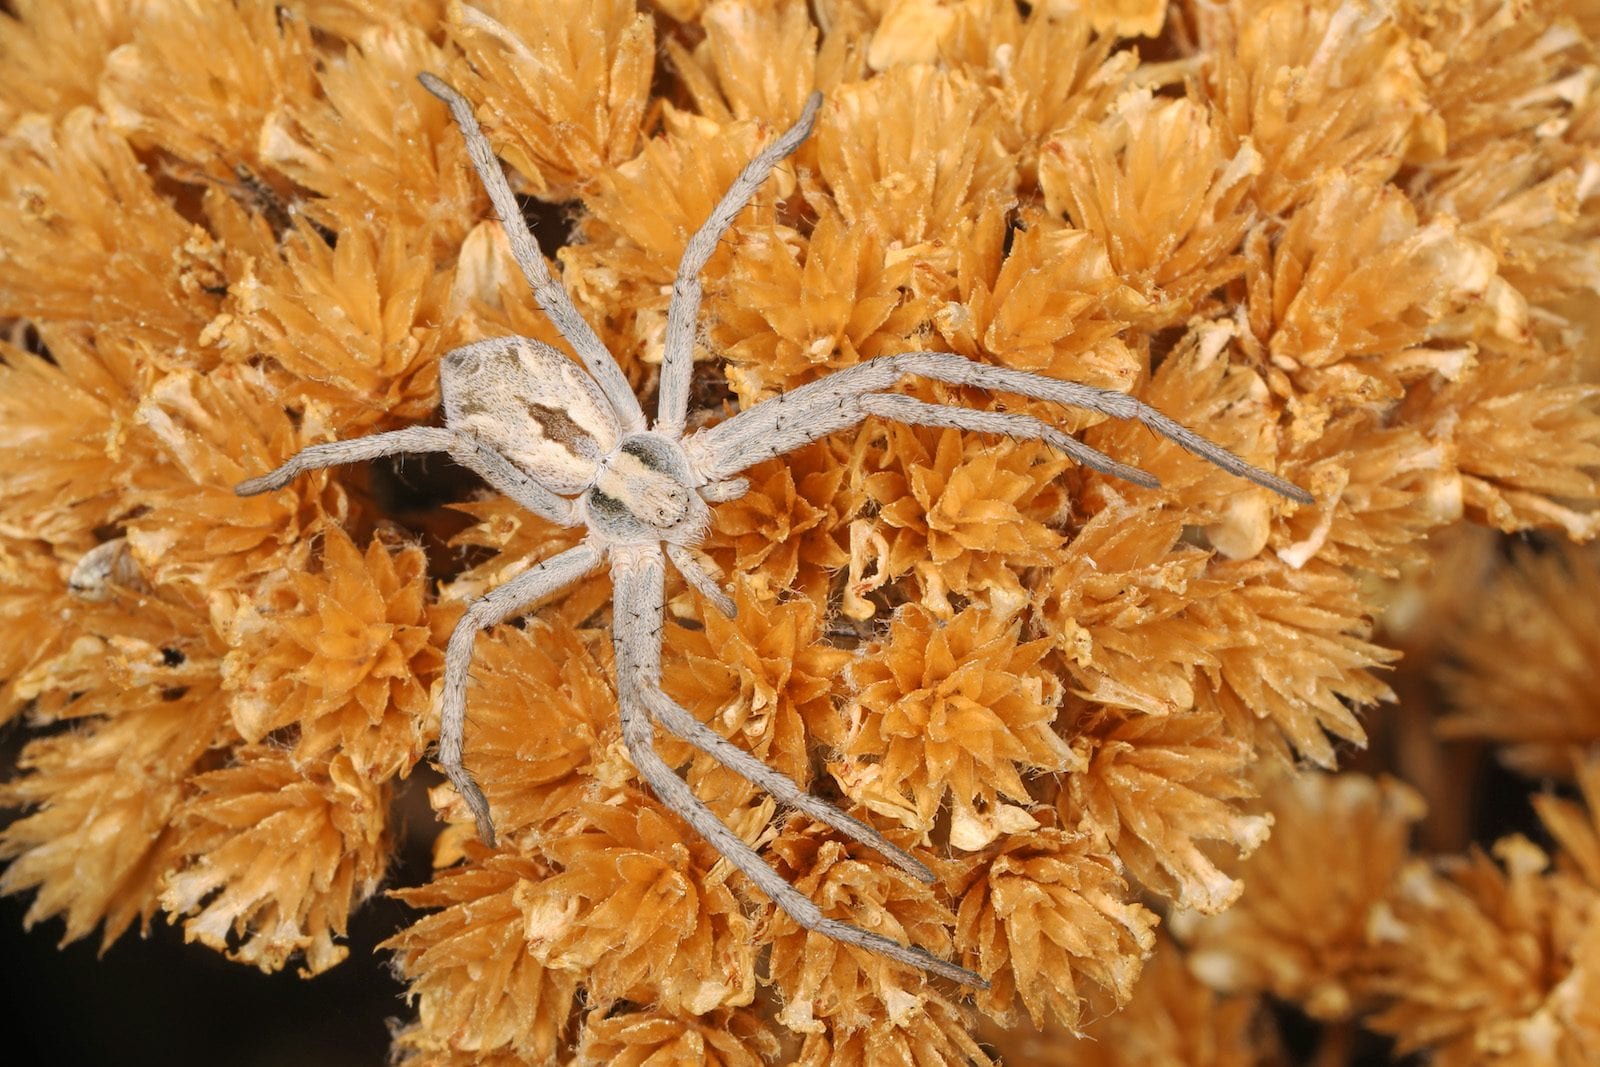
(816, 409)
(504, 476)
(676, 718)
(497, 605)
(547, 292)
(700, 578)
(637, 577)
(914, 412)
(677, 361)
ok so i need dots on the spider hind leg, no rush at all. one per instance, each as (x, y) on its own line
(675, 793)
(677, 719)
(638, 575)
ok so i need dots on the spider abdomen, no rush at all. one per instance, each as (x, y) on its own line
(532, 405)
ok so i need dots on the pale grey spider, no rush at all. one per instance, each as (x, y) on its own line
(573, 447)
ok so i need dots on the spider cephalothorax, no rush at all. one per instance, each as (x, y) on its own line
(571, 444)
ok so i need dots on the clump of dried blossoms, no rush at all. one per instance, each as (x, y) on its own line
(1355, 241)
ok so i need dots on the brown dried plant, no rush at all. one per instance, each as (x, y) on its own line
(1352, 241)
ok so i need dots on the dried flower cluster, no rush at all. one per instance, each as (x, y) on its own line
(1355, 241)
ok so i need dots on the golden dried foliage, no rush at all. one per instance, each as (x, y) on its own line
(479, 990)
(343, 323)
(1524, 669)
(1114, 607)
(1299, 937)
(1156, 182)
(636, 910)
(87, 241)
(955, 516)
(642, 231)
(764, 678)
(938, 1031)
(1576, 827)
(144, 691)
(197, 434)
(1526, 438)
(1173, 1020)
(1292, 674)
(1155, 788)
(913, 152)
(56, 416)
(724, 1038)
(204, 108)
(347, 654)
(1342, 298)
(844, 995)
(1047, 921)
(275, 853)
(1044, 298)
(756, 60)
(563, 84)
(542, 724)
(1482, 959)
(54, 53)
(786, 532)
(786, 314)
(1317, 90)
(953, 710)
(370, 146)
(1355, 242)
(1058, 70)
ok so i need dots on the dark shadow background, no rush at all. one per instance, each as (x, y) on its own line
(158, 1001)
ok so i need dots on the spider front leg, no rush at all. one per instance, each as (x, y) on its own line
(914, 412)
(842, 399)
(547, 292)
(638, 574)
(677, 361)
(789, 420)
(355, 450)
(487, 464)
(700, 579)
(495, 606)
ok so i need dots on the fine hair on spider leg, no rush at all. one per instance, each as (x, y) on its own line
(569, 441)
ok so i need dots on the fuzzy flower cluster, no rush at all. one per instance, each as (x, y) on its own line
(1355, 241)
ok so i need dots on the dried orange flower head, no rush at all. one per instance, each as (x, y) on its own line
(1352, 242)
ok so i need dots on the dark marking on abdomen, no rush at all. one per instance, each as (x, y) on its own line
(558, 426)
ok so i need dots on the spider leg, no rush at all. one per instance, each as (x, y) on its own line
(958, 370)
(677, 718)
(677, 363)
(637, 573)
(818, 408)
(514, 482)
(547, 292)
(494, 468)
(701, 579)
(914, 412)
(497, 605)
(335, 453)
(717, 492)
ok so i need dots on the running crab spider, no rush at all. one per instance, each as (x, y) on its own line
(572, 445)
